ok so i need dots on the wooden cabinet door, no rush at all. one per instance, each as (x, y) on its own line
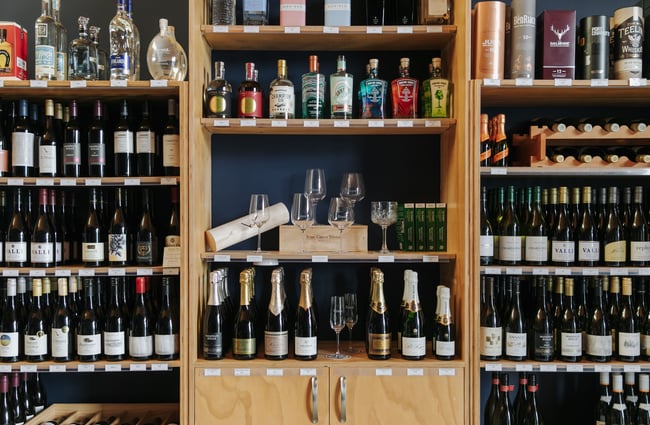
(397, 395)
(261, 395)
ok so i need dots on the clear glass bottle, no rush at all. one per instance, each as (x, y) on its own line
(313, 91)
(372, 93)
(135, 58)
(436, 93)
(45, 44)
(121, 44)
(223, 12)
(255, 12)
(61, 42)
(218, 94)
(166, 59)
(82, 67)
(341, 91)
(405, 92)
(282, 97)
(99, 55)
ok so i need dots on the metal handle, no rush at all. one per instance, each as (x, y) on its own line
(344, 415)
(314, 399)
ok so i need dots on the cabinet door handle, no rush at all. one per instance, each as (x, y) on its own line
(344, 415)
(314, 399)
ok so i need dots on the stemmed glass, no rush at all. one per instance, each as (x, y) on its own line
(259, 214)
(351, 317)
(341, 216)
(353, 188)
(315, 189)
(383, 213)
(337, 323)
(302, 215)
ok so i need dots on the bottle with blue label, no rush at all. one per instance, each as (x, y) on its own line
(372, 93)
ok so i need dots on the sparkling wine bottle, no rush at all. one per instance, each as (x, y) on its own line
(244, 344)
(214, 318)
(445, 329)
(411, 331)
(276, 330)
(378, 329)
(305, 324)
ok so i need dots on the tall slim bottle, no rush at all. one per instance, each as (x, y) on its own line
(523, 31)
(47, 151)
(22, 143)
(122, 41)
(378, 331)
(491, 346)
(643, 412)
(500, 147)
(42, 240)
(305, 323)
(413, 340)
(97, 139)
(63, 326)
(244, 343)
(536, 231)
(562, 236)
(445, 329)
(341, 91)
(146, 238)
(614, 244)
(94, 237)
(17, 402)
(89, 326)
(599, 335)
(276, 330)
(492, 401)
(171, 149)
(486, 232)
(123, 144)
(37, 327)
(145, 144)
(510, 233)
(72, 144)
(11, 326)
(313, 91)
(503, 414)
(532, 416)
(570, 333)
(45, 44)
(119, 233)
(61, 42)
(114, 328)
(587, 233)
(617, 412)
(515, 327)
(213, 324)
(167, 337)
(141, 327)
(541, 344)
(639, 234)
(628, 335)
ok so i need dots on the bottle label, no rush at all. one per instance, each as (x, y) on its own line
(536, 248)
(414, 346)
(632, 398)
(36, 345)
(89, 345)
(171, 150)
(276, 343)
(639, 251)
(47, 159)
(439, 97)
(373, 94)
(619, 406)
(599, 345)
(615, 251)
(645, 344)
(515, 344)
(313, 95)
(219, 104)
(571, 344)
(213, 345)
(4, 160)
(61, 65)
(9, 344)
(58, 252)
(244, 346)
(334, 6)
(282, 101)
(510, 248)
(485, 155)
(121, 62)
(563, 251)
(91, 252)
(145, 142)
(144, 252)
(114, 343)
(305, 346)
(501, 155)
(644, 406)
(123, 142)
(543, 344)
(491, 343)
(379, 344)
(629, 344)
(72, 153)
(628, 47)
(254, 6)
(44, 56)
(117, 247)
(166, 345)
(22, 149)
(250, 104)
(16, 252)
(341, 95)
(486, 246)
(61, 342)
(173, 240)
(588, 251)
(606, 398)
(42, 252)
(97, 154)
(445, 348)
(141, 346)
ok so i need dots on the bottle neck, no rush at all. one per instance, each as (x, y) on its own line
(305, 295)
(378, 303)
(276, 303)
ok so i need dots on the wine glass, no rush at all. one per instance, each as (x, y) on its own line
(315, 189)
(302, 215)
(259, 214)
(383, 213)
(351, 317)
(353, 188)
(337, 323)
(341, 216)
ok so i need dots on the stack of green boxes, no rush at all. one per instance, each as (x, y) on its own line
(422, 226)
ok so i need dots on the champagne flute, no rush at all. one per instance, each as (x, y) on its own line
(337, 323)
(351, 317)
(352, 188)
(259, 214)
(302, 215)
(383, 213)
(341, 216)
(315, 189)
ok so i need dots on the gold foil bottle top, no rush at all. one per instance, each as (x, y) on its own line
(568, 286)
(276, 303)
(564, 195)
(47, 285)
(37, 287)
(437, 64)
(62, 286)
(575, 195)
(586, 194)
(501, 118)
(378, 303)
(282, 68)
(627, 286)
(305, 289)
(245, 280)
(558, 287)
(72, 284)
(49, 108)
(374, 63)
(313, 63)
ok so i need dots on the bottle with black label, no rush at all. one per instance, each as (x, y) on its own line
(445, 329)
(72, 144)
(276, 330)
(378, 331)
(97, 139)
(305, 323)
(214, 320)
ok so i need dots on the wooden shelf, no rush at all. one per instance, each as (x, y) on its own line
(565, 271)
(74, 270)
(559, 366)
(106, 90)
(269, 126)
(579, 171)
(99, 366)
(315, 38)
(274, 257)
(89, 181)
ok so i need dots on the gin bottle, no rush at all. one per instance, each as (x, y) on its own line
(250, 95)
(255, 12)
(337, 13)
(61, 43)
(166, 59)
(282, 97)
(436, 93)
(341, 91)
(82, 67)
(372, 94)
(218, 95)
(135, 57)
(223, 12)
(45, 44)
(122, 42)
(99, 54)
(405, 92)
(313, 91)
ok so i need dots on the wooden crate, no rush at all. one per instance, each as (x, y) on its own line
(118, 413)
(323, 238)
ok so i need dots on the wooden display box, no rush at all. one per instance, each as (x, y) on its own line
(324, 238)
(119, 413)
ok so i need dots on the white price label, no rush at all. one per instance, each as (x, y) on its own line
(537, 271)
(57, 368)
(138, 367)
(589, 271)
(386, 259)
(307, 372)
(93, 182)
(13, 181)
(563, 82)
(5, 368)
(638, 82)
(599, 82)
(330, 30)
(523, 82)
(434, 28)
(10, 273)
(405, 29)
(212, 372)
(254, 258)
(113, 367)
(118, 83)
(274, 372)
(493, 367)
(62, 273)
(341, 123)
(373, 30)
(117, 271)
(514, 271)
(574, 368)
(168, 181)
(247, 123)
(292, 30)
(432, 124)
(561, 271)
(414, 371)
(278, 123)
(85, 367)
(68, 182)
(219, 28)
(385, 371)
(548, 368)
(430, 259)
(632, 368)
(29, 368)
(375, 123)
(404, 123)
(159, 366)
(240, 371)
(221, 258)
(221, 123)
(131, 182)
(602, 368)
(498, 171)
(37, 272)
(311, 123)
(643, 271)
(491, 82)
(524, 368)
(447, 371)
(87, 272)
(319, 258)
(38, 84)
(144, 272)
(44, 182)
(158, 83)
(492, 270)
(251, 29)
(621, 271)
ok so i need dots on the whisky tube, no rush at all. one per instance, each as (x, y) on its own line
(593, 47)
(522, 59)
(489, 36)
(628, 42)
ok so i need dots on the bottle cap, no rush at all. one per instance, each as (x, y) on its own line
(604, 378)
(11, 287)
(617, 383)
(374, 63)
(437, 63)
(140, 285)
(644, 382)
(15, 379)
(629, 378)
(4, 384)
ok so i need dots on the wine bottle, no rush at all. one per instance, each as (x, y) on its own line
(145, 144)
(63, 326)
(510, 233)
(570, 342)
(16, 399)
(5, 217)
(214, 318)
(26, 395)
(557, 125)
(42, 240)
(11, 326)
(22, 143)
(562, 235)
(38, 393)
(491, 346)
(171, 142)
(609, 124)
(643, 412)
(411, 331)
(5, 136)
(305, 323)
(628, 330)
(486, 232)
(173, 234)
(532, 415)
(146, 236)
(114, 329)
(72, 144)
(74, 228)
(521, 399)
(503, 414)
(46, 299)
(276, 330)
(47, 150)
(614, 245)
(639, 233)
(599, 336)
(16, 245)
(244, 342)
(97, 142)
(140, 330)
(445, 329)
(604, 398)
(119, 233)
(123, 144)
(492, 401)
(630, 395)
(92, 246)
(89, 327)
(536, 233)
(167, 339)
(378, 330)
(515, 327)
(500, 147)
(57, 227)
(617, 412)
(587, 233)
(6, 412)
(37, 327)
(614, 309)
(485, 145)
(625, 210)
(542, 342)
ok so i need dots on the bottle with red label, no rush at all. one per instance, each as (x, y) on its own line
(405, 92)
(250, 95)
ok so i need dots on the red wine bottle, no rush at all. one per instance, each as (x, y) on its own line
(18, 236)
(72, 144)
(171, 142)
(11, 326)
(5, 135)
(167, 339)
(141, 328)
(119, 233)
(94, 238)
(97, 138)
(37, 127)
(521, 399)
(115, 324)
(26, 395)
(145, 144)
(146, 236)
(492, 401)
(37, 327)
(48, 149)
(63, 326)
(541, 342)
(89, 327)
(123, 149)
(276, 329)
(531, 415)
(244, 343)
(38, 393)
(56, 220)
(5, 217)
(16, 399)
(22, 143)
(42, 241)
(6, 412)
(503, 414)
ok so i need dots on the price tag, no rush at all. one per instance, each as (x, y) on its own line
(523, 82)
(524, 368)
(171, 271)
(386, 259)
(29, 368)
(492, 270)
(632, 368)
(274, 372)
(138, 367)
(307, 372)
(447, 371)
(38, 84)
(548, 368)
(563, 82)
(310, 123)
(498, 171)
(144, 272)
(251, 29)
(118, 83)
(432, 124)
(85, 367)
(602, 368)
(375, 123)
(5, 368)
(404, 123)
(240, 371)
(68, 182)
(491, 82)
(384, 371)
(411, 371)
(430, 259)
(374, 30)
(319, 258)
(37, 272)
(62, 272)
(589, 271)
(539, 271)
(330, 30)
(221, 258)
(254, 258)
(406, 29)
(13, 181)
(514, 271)
(87, 272)
(341, 123)
(110, 367)
(117, 271)
(599, 82)
(221, 123)
(493, 367)
(621, 271)
(219, 28)
(292, 30)
(574, 368)
(131, 182)
(158, 83)
(168, 181)
(44, 182)
(562, 271)
(10, 273)
(160, 367)
(278, 123)
(211, 372)
(638, 82)
(93, 182)
(643, 271)
(434, 28)
(247, 123)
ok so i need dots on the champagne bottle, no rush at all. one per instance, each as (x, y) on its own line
(486, 232)
(521, 399)
(445, 329)
(631, 396)
(123, 144)
(643, 413)
(617, 413)
(276, 330)
(413, 340)
(599, 337)
(515, 327)
(562, 238)
(16, 399)
(491, 347)
(510, 233)
(16, 245)
(119, 234)
(531, 415)
(146, 235)
(614, 245)
(141, 327)
(42, 241)
(92, 246)
(11, 326)
(171, 142)
(97, 138)
(628, 330)
(378, 330)
(214, 318)
(63, 326)
(492, 401)
(244, 344)
(639, 233)
(587, 233)
(542, 342)
(89, 328)
(72, 144)
(536, 233)
(503, 414)
(604, 399)
(167, 338)
(570, 333)
(6, 412)
(145, 144)
(37, 327)
(305, 324)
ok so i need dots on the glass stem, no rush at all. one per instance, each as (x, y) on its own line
(350, 333)
(259, 239)
(313, 208)
(340, 241)
(384, 247)
(338, 352)
(302, 243)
